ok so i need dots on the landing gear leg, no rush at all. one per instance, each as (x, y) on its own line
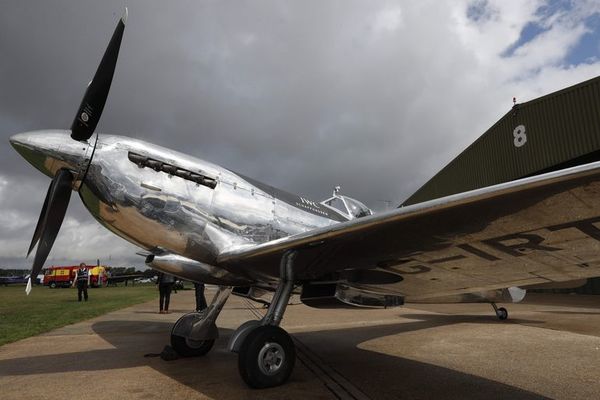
(194, 333)
(501, 312)
(266, 353)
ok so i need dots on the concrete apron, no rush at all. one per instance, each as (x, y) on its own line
(549, 347)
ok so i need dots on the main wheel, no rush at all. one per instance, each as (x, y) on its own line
(191, 348)
(502, 313)
(266, 357)
(53, 285)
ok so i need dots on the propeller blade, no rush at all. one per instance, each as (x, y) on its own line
(96, 93)
(38, 228)
(58, 201)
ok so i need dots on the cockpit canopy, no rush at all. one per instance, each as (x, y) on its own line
(347, 206)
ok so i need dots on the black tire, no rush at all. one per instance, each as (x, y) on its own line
(502, 313)
(191, 348)
(52, 285)
(266, 357)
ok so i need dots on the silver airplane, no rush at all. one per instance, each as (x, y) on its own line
(205, 223)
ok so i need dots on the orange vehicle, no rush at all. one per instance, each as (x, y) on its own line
(62, 276)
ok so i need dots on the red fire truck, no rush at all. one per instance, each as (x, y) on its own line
(62, 276)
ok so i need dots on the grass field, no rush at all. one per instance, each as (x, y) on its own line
(45, 309)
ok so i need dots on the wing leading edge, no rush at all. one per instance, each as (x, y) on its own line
(535, 230)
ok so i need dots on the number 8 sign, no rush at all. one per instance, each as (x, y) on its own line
(520, 136)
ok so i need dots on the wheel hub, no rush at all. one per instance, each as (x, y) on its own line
(271, 358)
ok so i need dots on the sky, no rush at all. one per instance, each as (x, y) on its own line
(374, 96)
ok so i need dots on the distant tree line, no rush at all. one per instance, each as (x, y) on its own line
(147, 273)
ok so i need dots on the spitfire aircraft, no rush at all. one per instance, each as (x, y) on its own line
(518, 209)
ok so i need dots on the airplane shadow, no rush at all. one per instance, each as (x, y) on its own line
(404, 378)
(410, 378)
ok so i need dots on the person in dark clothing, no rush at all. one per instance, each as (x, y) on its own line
(165, 285)
(82, 279)
(200, 299)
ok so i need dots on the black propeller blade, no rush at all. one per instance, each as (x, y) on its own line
(95, 96)
(38, 228)
(53, 213)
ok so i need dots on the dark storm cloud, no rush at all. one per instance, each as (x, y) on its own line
(313, 92)
(299, 88)
(372, 96)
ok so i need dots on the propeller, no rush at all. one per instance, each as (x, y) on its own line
(59, 192)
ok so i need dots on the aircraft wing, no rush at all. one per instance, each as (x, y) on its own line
(530, 231)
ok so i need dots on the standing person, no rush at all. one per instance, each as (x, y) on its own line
(82, 278)
(200, 299)
(165, 284)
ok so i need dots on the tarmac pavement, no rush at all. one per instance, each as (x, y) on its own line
(548, 348)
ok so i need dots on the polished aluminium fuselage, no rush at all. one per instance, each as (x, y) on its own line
(158, 211)
(166, 214)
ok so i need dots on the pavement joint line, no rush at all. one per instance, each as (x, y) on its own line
(335, 382)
